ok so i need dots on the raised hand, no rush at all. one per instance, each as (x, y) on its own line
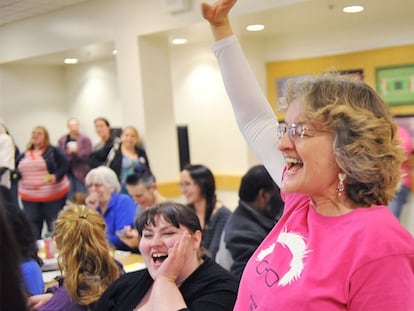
(217, 15)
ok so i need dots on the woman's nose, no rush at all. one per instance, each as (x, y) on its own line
(285, 142)
(156, 240)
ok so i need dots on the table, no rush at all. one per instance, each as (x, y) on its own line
(130, 261)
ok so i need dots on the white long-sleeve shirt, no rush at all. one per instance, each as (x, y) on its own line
(6, 156)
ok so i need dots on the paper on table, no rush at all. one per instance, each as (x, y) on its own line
(134, 266)
(49, 276)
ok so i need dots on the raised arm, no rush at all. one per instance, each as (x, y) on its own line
(254, 116)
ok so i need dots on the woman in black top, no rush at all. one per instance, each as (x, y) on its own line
(124, 156)
(177, 277)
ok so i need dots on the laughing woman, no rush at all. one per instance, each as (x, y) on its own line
(336, 247)
(178, 276)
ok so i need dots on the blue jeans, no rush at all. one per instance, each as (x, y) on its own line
(399, 200)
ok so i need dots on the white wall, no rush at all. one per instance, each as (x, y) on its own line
(92, 91)
(31, 96)
(201, 103)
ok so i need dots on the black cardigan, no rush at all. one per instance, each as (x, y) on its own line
(208, 288)
(99, 156)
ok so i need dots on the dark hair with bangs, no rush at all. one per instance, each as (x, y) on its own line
(204, 178)
(175, 213)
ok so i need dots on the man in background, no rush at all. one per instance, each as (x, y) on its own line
(260, 207)
(77, 147)
(143, 189)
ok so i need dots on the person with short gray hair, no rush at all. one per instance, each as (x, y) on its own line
(116, 208)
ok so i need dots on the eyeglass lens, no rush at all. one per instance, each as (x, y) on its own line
(292, 130)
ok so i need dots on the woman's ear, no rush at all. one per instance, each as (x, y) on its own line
(196, 237)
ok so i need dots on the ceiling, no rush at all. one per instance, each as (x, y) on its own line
(15, 10)
(309, 16)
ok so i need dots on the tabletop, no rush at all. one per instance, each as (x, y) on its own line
(130, 261)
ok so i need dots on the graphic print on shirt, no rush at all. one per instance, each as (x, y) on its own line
(296, 245)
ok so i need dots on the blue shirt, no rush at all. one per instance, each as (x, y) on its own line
(120, 213)
(32, 277)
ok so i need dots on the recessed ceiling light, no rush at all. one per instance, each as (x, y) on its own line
(255, 27)
(70, 60)
(179, 41)
(114, 52)
(353, 9)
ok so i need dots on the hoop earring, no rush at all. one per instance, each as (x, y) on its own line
(341, 188)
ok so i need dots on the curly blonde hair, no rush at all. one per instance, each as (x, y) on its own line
(84, 254)
(365, 144)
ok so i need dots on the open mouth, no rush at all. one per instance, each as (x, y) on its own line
(158, 258)
(293, 165)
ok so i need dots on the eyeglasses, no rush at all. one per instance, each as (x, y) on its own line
(270, 276)
(294, 130)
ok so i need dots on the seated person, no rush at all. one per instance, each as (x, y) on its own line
(143, 189)
(84, 259)
(12, 296)
(259, 208)
(23, 230)
(116, 208)
(198, 186)
(177, 276)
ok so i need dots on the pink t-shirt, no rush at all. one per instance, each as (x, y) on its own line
(365, 263)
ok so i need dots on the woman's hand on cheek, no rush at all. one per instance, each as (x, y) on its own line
(177, 256)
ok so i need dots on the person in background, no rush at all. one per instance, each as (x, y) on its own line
(177, 276)
(103, 129)
(28, 258)
(260, 207)
(12, 293)
(8, 156)
(123, 157)
(143, 189)
(78, 198)
(199, 188)
(337, 161)
(401, 197)
(14, 176)
(77, 147)
(44, 184)
(116, 208)
(84, 259)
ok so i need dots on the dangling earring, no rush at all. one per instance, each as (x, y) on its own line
(341, 188)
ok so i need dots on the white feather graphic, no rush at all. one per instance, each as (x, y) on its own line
(297, 247)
